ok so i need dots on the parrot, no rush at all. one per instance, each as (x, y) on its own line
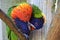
(27, 17)
(20, 14)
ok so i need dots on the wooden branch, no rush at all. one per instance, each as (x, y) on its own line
(11, 25)
(54, 32)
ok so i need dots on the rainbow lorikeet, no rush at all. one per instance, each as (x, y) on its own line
(20, 14)
(27, 18)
